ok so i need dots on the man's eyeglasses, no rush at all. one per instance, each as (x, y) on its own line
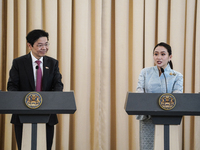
(41, 45)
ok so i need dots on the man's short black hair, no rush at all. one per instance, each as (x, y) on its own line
(34, 35)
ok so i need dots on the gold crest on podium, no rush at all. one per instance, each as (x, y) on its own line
(33, 100)
(167, 101)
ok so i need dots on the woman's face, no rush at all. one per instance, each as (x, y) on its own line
(161, 57)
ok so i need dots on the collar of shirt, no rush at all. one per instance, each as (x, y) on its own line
(34, 59)
(167, 69)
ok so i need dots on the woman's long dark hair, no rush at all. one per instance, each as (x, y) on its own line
(168, 47)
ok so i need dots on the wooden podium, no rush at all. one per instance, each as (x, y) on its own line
(147, 104)
(53, 103)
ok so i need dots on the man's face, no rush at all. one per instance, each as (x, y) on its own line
(40, 47)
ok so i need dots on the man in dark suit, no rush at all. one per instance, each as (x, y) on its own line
(23, 76)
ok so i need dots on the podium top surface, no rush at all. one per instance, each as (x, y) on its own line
(13, 102)
(147, 104)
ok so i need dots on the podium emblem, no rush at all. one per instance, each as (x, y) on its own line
(33, 100)
(167, 101)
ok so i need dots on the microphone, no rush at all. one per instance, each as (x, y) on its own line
(36, 67)
(162, 70)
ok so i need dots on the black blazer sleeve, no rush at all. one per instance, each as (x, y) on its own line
(21, 76)
(13, 81)
(51, 80)
(57, 84)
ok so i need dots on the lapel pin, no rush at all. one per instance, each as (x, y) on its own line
(47, 67)
(172, 74)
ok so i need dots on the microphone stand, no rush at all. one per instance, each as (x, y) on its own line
(166, 126)
(162, 70)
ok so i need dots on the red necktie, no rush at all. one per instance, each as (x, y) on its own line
(38, 76)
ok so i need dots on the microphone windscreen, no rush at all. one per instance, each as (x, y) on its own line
(36, 67)
(162, 70)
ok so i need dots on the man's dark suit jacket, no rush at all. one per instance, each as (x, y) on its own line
(21, 78)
